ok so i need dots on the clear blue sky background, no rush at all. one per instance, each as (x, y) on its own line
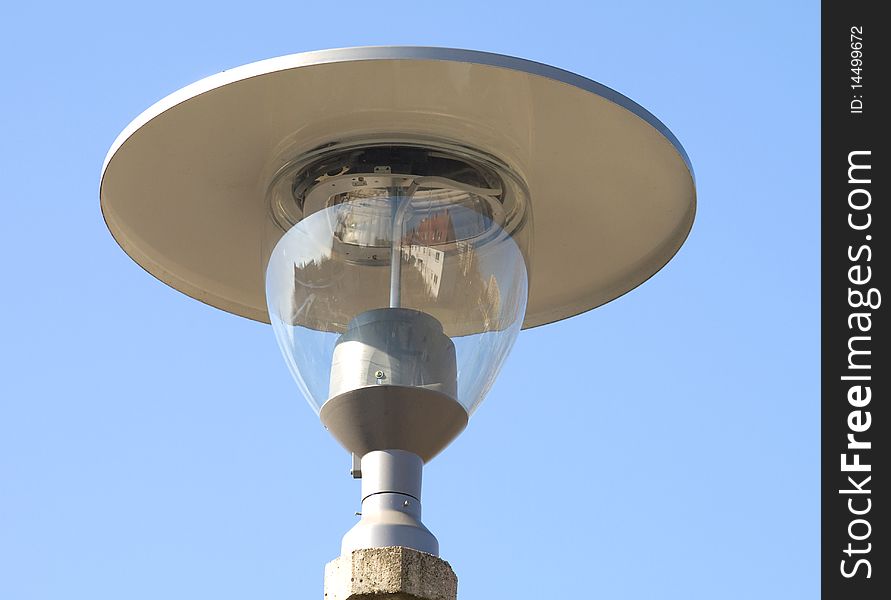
(663, 446)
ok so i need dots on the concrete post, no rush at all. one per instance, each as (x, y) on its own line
(393, 573)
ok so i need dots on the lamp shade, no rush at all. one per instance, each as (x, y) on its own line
(185, 186)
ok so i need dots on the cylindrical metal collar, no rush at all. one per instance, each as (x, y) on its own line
(395, 471)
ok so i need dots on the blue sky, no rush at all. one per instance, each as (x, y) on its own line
(662, 446)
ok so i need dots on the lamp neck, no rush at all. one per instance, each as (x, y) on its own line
(392, 471)
(391, 505)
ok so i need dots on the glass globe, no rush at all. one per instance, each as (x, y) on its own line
(400, 281)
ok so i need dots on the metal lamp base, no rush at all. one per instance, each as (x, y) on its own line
(391, 505)
(394, 384)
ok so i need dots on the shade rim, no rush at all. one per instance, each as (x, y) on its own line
(655, 261)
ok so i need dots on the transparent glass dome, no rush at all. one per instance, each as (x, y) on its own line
(398, 279)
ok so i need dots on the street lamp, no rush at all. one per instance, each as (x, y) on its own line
(375, 205)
